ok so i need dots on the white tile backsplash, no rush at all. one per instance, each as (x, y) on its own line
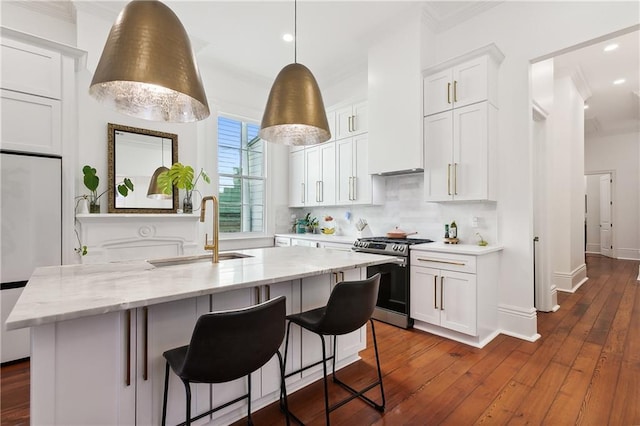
(404, 207)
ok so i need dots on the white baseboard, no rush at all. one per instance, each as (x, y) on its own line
(518, 322)
(570, 282)
(627, 254)
(593, 248)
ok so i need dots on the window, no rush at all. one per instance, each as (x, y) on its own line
(241, 190)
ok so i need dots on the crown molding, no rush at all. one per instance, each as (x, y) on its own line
(62, 10)
(581, 83)
(106, 10)
(439, 22)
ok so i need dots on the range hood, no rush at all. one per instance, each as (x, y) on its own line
(400, 172)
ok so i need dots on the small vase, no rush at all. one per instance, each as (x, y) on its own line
(187, 203)
(83, 206)
(94, 208)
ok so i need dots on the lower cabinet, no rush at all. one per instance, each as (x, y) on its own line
(455, 295)
(444, 298)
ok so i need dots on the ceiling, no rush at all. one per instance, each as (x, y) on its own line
(245, 37)
(612, 108)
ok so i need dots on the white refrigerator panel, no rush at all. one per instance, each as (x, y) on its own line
(31, 214)
(31, 232)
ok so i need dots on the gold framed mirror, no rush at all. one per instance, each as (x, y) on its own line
(135, 154)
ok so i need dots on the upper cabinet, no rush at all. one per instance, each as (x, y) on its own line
(352, 120)
(38, 93)
(461, 85)
(354, 185)
(320, 172)
(336, 172)
(460, 127)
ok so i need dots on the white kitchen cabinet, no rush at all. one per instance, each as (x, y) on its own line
(282, 242)
(474, 80)
(354, 185)
(320, 175)
(303, 242)
(444, 298)
(297, 185)
(31, 69)
(352, 120)
(331, 119)
(460, 154)
(455, 295)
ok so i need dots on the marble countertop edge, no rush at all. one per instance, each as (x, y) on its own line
(101, 289)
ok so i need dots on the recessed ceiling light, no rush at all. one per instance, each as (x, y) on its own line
(611, 47)
(619, 81)
(586, 106)
(288, 38)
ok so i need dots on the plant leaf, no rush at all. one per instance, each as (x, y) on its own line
(205, 176)
(128, 184)
(91, 180)
(123, 190)
(165, 182)
(181, 176)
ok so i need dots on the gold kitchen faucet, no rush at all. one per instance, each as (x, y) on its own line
(216, 210)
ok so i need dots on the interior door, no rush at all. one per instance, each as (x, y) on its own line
(606, 243)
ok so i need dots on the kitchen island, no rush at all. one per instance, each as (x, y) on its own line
(99, 331)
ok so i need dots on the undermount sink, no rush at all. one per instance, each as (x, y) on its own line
(186, 260)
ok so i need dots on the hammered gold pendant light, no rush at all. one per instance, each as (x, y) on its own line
(155, 191)
(295, 113)
(148, 69)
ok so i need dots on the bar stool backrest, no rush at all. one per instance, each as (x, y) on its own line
(228, 345)
(350, 306)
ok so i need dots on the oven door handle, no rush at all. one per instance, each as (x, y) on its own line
(400, 261)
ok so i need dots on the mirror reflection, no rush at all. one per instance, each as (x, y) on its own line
(136, 153)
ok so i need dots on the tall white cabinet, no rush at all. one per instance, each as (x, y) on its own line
(460, 127)
(336, 172)
(37, 102)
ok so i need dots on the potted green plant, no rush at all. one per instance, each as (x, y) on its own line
(182, 177)
(92, 181)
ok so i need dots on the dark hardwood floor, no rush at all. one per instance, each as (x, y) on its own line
(585, 369)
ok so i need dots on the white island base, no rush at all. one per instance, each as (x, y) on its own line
(108, 368)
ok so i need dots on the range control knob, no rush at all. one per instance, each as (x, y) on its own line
(402, 248)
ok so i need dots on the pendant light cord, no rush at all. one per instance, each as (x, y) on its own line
(295, 31)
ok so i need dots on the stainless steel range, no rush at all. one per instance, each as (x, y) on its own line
(393, 297)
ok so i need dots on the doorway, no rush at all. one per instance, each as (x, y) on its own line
(598, 213)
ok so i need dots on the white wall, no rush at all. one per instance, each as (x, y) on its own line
(620, 154)
(567, 191)
(525, 31)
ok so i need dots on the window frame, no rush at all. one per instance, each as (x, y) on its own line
(264, 178)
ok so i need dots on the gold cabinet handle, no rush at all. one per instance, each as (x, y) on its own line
(355, 194)
(441, 293)
(455, 178)
(256, 294)
(127, 336)
(353, 123)
(435, 292)
(321, 191)
(342, 276)
(448, 93)
(145, 369)
(455, 91)
(449, 178)
(335, 277)
(448, 262)
(350, 186)
(268, 291)
(302, 195)
(349, 123)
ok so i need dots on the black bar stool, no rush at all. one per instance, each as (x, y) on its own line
(350, 306)
(228, 345)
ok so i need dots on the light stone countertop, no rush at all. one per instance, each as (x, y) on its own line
(58, 293)
(471, 249)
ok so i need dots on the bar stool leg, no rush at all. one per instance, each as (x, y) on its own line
(187, 388)
(324, 377)
(166, 391)
(249, 421)
(283, 387)
(375, 347)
